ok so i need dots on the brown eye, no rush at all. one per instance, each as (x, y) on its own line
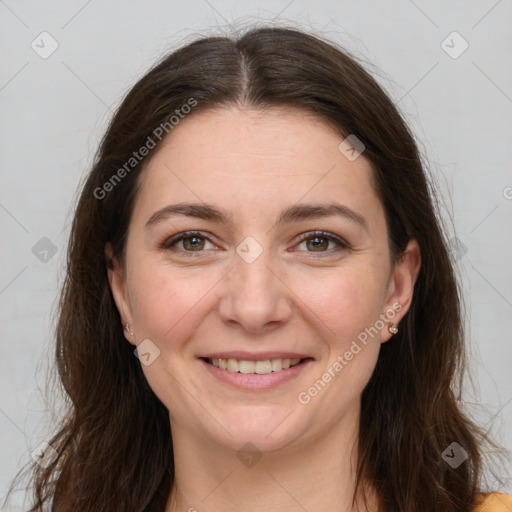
(319, 242)
(192, 242)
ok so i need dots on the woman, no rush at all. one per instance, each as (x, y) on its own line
(260, 311)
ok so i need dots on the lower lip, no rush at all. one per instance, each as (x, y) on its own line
(254, 381)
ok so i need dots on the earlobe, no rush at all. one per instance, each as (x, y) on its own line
(403, 279)
(117, 283)
(406, 273)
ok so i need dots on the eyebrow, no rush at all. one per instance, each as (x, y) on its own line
(295, 213)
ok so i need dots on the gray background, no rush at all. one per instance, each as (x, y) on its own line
(54, 111)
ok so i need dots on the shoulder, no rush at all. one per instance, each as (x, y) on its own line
(493, 502)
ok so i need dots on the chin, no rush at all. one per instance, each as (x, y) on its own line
(267, 428)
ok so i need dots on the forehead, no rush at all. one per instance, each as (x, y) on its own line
(253, 161)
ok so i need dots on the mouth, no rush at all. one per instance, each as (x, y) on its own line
(256, 367)
(255, 374)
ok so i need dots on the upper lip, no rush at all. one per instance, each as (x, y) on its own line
(254, 356)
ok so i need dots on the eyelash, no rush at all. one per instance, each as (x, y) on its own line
(168, 243)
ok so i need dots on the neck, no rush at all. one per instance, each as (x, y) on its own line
(314, 475)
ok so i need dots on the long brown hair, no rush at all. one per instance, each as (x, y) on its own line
(410, 408)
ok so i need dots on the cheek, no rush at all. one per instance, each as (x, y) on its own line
(348, 302)
(165, 301)
(345, 300)
(152, 295)
(165, 307)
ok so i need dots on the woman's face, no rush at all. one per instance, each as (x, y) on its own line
(245, 287)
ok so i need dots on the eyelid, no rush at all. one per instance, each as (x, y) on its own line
(168, 242)
(324, 234)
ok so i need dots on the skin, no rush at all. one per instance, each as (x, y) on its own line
(293, 297)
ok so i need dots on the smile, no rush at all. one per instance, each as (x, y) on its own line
(258, 367)
(255, 375)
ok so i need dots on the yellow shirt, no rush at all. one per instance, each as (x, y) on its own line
(494, 502)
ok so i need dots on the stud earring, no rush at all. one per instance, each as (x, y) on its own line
(393, 329)
(127, 329)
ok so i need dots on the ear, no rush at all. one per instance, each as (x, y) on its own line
(117, 282)
(401, 286)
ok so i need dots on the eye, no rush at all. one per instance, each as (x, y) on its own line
(192, 241)
(320, 241)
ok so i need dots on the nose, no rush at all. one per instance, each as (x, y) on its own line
(255, 295)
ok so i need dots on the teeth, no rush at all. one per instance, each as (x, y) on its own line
(259, 367)
(262, 367)
(276, 365)
(246, 366)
